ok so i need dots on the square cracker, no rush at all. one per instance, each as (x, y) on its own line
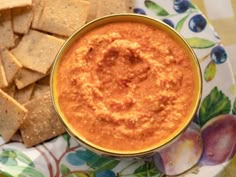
(42, 123)
(7, 4)
(129, 6)
(60, 16)
(92, 13)
(40, 90)
(37, 51)
(37, 8)
(12, 115)
(45, 80)
(107, 7)
(26, 77)
(24, 95)
(3, 79)
(6, 32)
(10, 90)
(22, 18)
(10, 63)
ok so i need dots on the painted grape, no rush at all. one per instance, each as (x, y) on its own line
(197, 23)
(181, 6)
(218, 55)
(169, 22)
(139, 11)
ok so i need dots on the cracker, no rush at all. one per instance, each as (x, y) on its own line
(10, 89)
(38, 6)
(40, 90)
(7, 4)
(3, 79)
(37, 51)
(107, 7)
(92, 13)
(17, 38)
(44, 81)
(22, 18)
(6, 32)
(60, 36)
(60, 16)
(10, 63)
(26, 77)
(24, 95)
(12, 115)
(129, 6)
(42, 123)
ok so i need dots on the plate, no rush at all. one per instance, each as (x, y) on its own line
(63, 156)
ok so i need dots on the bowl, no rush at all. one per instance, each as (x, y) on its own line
(126, 85)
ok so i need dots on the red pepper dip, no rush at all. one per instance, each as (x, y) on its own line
(126, 86)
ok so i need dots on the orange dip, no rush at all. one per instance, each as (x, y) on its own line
(126, 86)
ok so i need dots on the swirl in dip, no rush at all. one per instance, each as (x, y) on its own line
(126, 86)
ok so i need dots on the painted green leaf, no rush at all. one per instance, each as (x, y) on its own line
(181, 23)
(20, 175)
(19, 170)
(8, 153)
(74, 159)
(210, 71)
(8, 161)
(147, 169)
(104, 164)
(234, 107)
(67, 137)
(23, 158)
(214, 104)
(64, 169)
(8, 158)
(95, 161)
(5, 174)
(156, 8)
(87, 156)
(16, 155)
(199, 43)
(191, 5)
(82, 175)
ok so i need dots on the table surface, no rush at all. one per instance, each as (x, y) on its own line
(222, 15)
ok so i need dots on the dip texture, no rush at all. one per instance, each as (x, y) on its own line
(126, 86)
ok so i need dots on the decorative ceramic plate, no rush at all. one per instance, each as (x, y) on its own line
(215, 119)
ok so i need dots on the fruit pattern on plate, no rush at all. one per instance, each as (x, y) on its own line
(209, 140)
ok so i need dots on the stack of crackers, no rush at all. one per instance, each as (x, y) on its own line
(31, 33)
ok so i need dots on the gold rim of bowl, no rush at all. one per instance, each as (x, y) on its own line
(127, 17)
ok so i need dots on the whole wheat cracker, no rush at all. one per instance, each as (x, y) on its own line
(40, 90)
(10, 63)
(42, 123)
(8, 4)
(21, 19)
(24, 95)
(37, 51)
(3, 79)
(10, 90)
(92, 13)
(12, 115)
(45, 80)
(6, 32)
(26, 77)
(60, 16)
(107, 7)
